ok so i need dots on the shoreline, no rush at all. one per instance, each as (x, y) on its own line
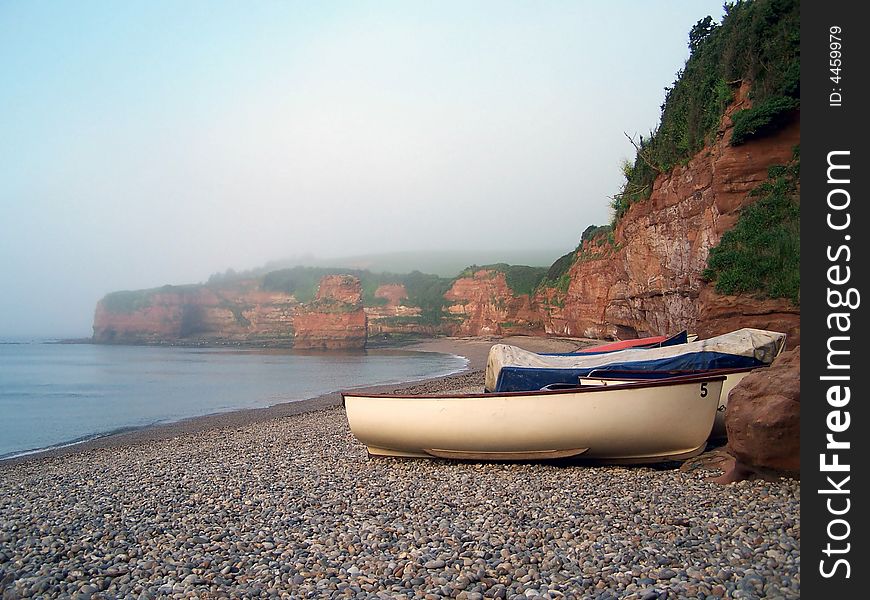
(286, 502)
(473, 349)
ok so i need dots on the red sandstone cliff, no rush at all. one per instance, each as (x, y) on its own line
(335, 319)
(240, 312)
(484, 304)
(649, 281)
(395, 316)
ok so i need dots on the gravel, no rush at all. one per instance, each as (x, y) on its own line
(294, 508)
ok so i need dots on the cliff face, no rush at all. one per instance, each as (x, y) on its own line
(649, 280)
(335, 319)
(394, 315)
(484, 304)
(241, 312)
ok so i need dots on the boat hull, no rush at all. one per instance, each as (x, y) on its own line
(732, 378)
(631, 423)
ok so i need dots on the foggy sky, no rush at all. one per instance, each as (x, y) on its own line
(144, 143)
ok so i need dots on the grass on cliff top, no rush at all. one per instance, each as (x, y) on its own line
(758, 41)
(129, 301)
(301, 282)
(424, 290)
(125, 302)
(761, 253)
(557, 275)
(427, 291)
(520, 278)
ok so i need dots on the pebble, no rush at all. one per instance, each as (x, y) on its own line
(294, 507)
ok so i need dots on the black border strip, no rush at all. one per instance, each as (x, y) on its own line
(832, 114)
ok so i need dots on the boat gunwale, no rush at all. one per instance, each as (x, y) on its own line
(589, 388)
(627, 372)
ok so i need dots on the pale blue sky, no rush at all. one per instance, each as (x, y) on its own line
(144, 143)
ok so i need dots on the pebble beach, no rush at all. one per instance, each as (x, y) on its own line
(289, 505)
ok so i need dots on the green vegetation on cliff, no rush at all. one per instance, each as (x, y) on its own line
(425, 291)
(595, 232)
(761, 254)
(766, 117)
(557, 276)
(520, 278)
(758, 41)
(129, 301)
(302, 282)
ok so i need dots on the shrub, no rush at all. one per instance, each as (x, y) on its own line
(427, 292)
(301, 282)
(524, 280)
(559, 268)
(761, 119)
(521, 279)
(761, 253)
(595, 232)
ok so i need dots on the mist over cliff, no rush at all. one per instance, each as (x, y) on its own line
(704, 235)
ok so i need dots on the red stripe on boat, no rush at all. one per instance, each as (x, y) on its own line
(623, 344)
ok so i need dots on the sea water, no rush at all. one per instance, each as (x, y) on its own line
(56, 394)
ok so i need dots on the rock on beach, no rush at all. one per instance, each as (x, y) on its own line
(294, 508)
(764, 417)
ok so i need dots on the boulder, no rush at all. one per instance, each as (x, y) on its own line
(763, 420)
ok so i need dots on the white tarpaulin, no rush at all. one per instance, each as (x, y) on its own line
(762, 345)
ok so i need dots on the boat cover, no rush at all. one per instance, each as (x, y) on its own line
(512, 369)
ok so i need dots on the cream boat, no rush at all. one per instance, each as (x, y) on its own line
(732, 378)
(637, 422)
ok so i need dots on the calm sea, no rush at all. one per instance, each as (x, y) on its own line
(57, 394)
